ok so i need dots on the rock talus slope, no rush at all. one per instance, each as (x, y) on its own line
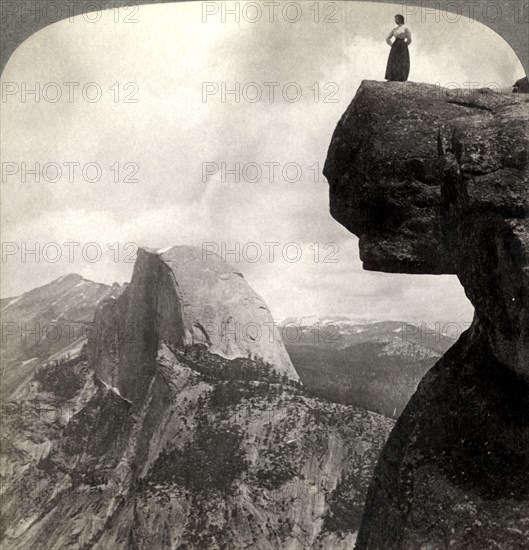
(437, 181)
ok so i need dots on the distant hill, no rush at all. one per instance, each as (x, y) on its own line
(44, 321)
(375, 365)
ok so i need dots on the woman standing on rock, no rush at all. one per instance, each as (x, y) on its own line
(398, 67)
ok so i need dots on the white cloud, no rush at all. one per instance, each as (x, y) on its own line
(170, 132)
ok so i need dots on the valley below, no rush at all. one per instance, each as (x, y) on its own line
(139, 430)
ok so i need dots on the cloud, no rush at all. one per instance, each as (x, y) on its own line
(172, 131)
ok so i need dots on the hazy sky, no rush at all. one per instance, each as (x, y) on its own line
(172, 130)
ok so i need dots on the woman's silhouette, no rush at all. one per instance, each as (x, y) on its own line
(398, 67)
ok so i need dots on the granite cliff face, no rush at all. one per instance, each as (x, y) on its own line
(178, 297)
(437, 181)
(383, 165)
(163, 434)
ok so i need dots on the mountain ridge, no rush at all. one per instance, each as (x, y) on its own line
(207, 452)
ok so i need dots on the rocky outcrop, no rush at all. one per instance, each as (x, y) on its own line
(437, 181)
(382, 168)
(180, 298)
(521, 86)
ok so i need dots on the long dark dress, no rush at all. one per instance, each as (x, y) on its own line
(398, 67)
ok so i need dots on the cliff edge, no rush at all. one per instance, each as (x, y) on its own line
(437, 181)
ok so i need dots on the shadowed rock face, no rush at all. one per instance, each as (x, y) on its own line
(181, 298)
(383, 165)
(521, 86)
(448, 193)
(485, 218)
